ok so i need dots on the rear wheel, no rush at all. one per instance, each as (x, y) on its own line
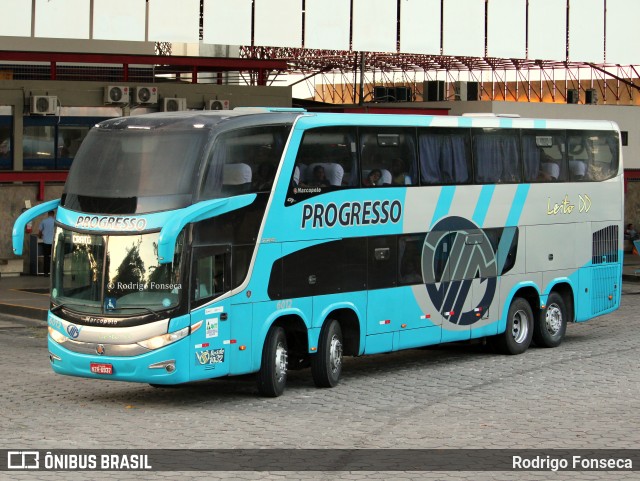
(272, 376)
(551, 326)
(326, 365)
(517, 338)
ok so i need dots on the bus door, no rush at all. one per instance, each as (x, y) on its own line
(210, 343)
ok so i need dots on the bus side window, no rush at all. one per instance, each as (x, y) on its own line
(592, 155)
(210, 278)
(388, 157)
(496, 156)
(326, 161)
(444, 156)
(410, 260)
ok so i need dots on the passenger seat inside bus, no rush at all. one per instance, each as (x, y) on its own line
(385, 177)
(333, 172)
(236, 179)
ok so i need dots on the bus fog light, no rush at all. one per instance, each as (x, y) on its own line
(168, 366)
(164, 340)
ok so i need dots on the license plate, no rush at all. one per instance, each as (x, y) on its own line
(101, 368)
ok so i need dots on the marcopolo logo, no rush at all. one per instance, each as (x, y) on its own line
(455, 253)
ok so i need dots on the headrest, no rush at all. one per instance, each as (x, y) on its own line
(333, 172)
(577, 167)
(551, 169)
(236, 174)
(385, 176)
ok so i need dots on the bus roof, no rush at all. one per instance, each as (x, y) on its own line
(249, 116)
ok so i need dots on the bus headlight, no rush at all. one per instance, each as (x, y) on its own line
(164, 340)
(57, 336)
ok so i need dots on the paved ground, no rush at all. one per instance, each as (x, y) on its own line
(584, 394)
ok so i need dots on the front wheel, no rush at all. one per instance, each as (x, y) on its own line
(272, 376)
(517, 338)
(551, 326)
(326, 364)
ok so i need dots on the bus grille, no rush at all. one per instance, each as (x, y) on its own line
(605, 245)
(605, 290)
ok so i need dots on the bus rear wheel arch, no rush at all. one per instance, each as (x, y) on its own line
(519, 332)
(551, 325)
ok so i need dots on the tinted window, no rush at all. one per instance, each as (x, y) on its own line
(326, 161)
(6, 160)
(444, 156)
(327, 268)
(383, 262)
(388, 157)
(592, 155)
(496, 156)
(244, 161)
(544, 156)
(410, 259)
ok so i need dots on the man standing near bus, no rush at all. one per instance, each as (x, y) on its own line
(45, 232)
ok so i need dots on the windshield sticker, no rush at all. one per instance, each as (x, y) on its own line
(111, 223)
(212, 327)
(109, 303)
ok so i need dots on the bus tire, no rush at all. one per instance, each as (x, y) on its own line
(517, 337)
(326, 364)
(272, 376)
(550, 328)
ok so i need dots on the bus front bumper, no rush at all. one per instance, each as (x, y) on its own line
(167, 365)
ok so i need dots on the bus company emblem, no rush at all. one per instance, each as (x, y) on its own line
(73, 331)
(455, 252)
(111, 223)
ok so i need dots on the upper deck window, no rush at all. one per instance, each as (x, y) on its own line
(243, 161)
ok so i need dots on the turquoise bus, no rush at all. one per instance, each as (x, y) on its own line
(194, 245)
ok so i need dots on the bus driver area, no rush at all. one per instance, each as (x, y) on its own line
(271, 247)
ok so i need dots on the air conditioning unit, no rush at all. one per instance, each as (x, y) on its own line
(218, 105)
(44, 104)
(174, 104)
(116, 94)
(145, 95)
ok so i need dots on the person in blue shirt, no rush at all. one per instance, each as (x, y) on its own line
(45, 232)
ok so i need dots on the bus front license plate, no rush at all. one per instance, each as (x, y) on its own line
(101, 368)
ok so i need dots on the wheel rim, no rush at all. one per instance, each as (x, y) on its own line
(335, 354)
(553, 319)
(520, 327)
(281, 362)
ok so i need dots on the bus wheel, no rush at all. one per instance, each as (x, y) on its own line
(272, 376)
(517, 337)
(326, 364)
(551, 326)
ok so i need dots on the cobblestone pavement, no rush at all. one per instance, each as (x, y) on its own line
(584, 394)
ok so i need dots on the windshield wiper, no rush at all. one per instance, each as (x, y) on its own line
(158, 316)
(67, 304)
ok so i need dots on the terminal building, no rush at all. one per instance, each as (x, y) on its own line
(64, 66)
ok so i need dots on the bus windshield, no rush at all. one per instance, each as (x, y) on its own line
(112, 274)
(152, 167)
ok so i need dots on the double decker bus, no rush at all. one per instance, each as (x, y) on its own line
(194, 245)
